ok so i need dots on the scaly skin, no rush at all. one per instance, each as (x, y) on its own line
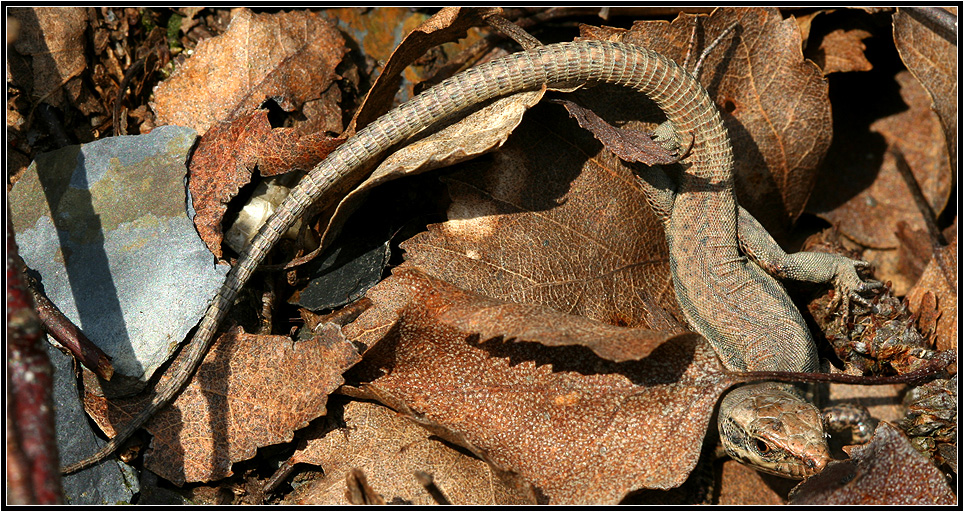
(703, 237)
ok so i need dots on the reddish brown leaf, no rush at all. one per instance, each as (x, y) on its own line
(861, 192)
(559, 418)
(933, 60)
(449, 24)
(543, 222)
(774, 102)
(888, 471)
(250, 391)
(289, 57)
(228, 154)
(390, 448)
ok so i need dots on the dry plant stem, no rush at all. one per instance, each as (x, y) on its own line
(122, 88)
(359, 492)
(709, 48)
(31, 450)
(930, 220)
(942, 22)
(66, 333)
(428, 482)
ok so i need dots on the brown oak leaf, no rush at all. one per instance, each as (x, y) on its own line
(250, 391)
(560, 418)
(289, 57)
(938, 311)
(390, 448)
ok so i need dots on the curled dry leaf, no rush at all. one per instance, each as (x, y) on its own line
(581, 429)
(390, 448)
(475, 134)
(887, 471)
(774, 102)
(530, 225)
(250, 391)
(933, 60)
(449, 24)
(227, 156)
(289, 57)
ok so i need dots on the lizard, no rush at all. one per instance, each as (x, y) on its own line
(701, 211)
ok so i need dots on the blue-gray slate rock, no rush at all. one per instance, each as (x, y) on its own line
(106, 226)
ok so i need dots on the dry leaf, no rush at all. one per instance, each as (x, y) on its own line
(836, 41)
(861, 191)
(741, 485)
(289, 57)
(54, 39)
(250, 391)
(933, 60)
(554, 219)
(227, 156)
(940, 280)
(478, 133)
(774, 102)
(887, 471)
(559, 418)
(390, 448)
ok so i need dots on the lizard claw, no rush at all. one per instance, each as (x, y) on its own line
(849, 286)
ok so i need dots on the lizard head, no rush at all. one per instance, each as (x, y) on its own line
(770, 428)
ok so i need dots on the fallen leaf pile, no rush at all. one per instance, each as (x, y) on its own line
(525, 345)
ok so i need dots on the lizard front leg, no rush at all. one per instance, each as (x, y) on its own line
(814, 267)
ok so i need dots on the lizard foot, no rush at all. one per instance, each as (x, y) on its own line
(848, 285)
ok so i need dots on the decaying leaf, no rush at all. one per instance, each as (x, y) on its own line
(289, 57)
(227, 156)
(774, 102)
(390, 448)
(531, 225)
(250, 391)
(888, 471)
(559, 418)
(834, 39)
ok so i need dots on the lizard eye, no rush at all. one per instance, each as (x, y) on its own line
(762, 446)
